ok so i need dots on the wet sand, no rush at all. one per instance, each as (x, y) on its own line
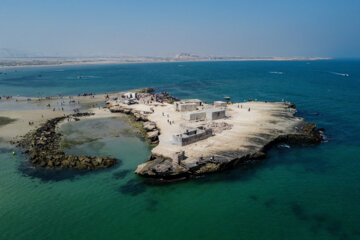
(38, 112)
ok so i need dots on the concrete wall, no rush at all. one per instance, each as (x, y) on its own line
(185, 107)
(214, 114)
(198, 102)
(192, 136)
(189, 116)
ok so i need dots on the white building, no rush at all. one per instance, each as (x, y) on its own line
(187, 105)
(219, 104)
(215, 113)
(194, 116)
(130, 95)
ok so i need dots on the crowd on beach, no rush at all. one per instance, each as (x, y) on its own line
(147, 98)
(6, 97)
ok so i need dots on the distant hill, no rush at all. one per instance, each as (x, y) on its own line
(185, 56)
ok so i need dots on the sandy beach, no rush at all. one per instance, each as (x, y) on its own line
(39, 112)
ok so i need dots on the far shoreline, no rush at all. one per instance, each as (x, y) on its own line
(88, 62)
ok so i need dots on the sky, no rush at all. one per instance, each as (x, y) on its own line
(247, 28)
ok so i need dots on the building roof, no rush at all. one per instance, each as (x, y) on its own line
(209, 110)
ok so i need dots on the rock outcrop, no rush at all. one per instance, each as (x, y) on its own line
(43, 147)
(151, 132)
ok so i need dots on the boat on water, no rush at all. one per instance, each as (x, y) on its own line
(341, 74)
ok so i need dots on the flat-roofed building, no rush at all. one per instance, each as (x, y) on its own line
(215, 113)
(185, 107)
(219, 104)
(130, 95)
(192, 135)
(194, 116)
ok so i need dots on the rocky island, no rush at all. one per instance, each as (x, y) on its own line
(194, 138)
(190, 137)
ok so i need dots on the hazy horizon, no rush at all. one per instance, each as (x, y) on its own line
(165, 28)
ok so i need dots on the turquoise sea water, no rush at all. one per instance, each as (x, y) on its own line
(297, 193)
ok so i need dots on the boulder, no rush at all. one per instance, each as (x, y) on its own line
(153, 135)
(149, 126)
(65, 163)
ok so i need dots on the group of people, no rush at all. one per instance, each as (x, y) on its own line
(240, 106)
(62, 103)
(86, 94)
(168, 120)
(6, 97)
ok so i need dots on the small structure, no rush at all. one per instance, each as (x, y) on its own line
(179, 156)
(198, 102)
(227, 99)
(190, 116)
(219, 104)
(192, 135)
(215, 113)
(187, 105)
(130, 95)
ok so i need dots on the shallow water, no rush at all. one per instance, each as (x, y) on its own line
(296, 193)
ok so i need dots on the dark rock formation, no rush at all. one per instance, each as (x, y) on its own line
(146, 90)
(166, 97)
(43, 146)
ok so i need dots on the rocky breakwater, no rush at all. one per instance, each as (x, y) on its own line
(43, 146)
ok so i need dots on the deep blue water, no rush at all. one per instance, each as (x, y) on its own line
(298, 193)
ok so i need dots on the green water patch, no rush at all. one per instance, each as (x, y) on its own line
(121, 174)
(93, 130)
(113, 137)
(49, 175)
(6, 120)
(133, 187)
